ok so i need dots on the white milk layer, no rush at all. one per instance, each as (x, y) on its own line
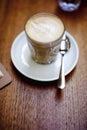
(44, 28)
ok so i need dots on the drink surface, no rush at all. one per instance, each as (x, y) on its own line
(44, 28)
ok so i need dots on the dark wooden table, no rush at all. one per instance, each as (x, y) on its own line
(26, 104)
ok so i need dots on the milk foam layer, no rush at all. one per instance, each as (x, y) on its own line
(44, 28)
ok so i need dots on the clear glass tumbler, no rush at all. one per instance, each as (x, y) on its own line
(69, 5)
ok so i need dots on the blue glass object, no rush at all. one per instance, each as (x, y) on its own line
(69, 5)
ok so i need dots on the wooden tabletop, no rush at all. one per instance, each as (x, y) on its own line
(26, 104)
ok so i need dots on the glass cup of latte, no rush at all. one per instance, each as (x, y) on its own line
(44, 33)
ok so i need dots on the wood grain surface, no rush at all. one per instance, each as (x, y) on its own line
(26, 104)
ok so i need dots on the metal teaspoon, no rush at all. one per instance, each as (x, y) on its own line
(64, 47)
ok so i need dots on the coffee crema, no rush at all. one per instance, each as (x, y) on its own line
(44, 28)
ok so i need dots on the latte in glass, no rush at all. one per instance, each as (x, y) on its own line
(44, 33)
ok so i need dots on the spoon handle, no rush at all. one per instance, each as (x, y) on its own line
(61, 81)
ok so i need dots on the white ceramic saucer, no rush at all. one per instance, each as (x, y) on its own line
(21, 58)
